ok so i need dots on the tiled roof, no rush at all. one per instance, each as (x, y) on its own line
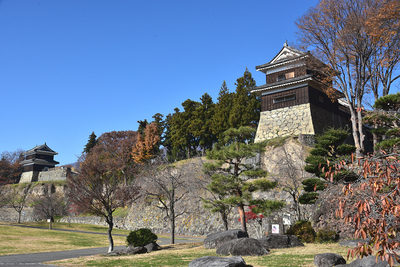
(282, 57)
(266, 87)
(42, 149)
(39, 161)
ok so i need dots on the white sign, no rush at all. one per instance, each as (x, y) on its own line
(275, 228)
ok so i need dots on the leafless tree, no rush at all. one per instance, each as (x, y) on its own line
(171, 185)
(347, 35)
(214, 204)
(18, 198)
(288, 171)
(49, 205)
(107, 178)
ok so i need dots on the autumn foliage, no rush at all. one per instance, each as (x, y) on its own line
(144, 148)
(377, 215)
(251, 216)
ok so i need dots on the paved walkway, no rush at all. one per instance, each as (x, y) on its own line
(36, 259)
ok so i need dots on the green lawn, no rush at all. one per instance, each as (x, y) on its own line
(17, 240)
(183, 254)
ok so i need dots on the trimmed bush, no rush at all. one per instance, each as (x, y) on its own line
(141, 237)
(308, 198)
(303, 230)
(326, 235)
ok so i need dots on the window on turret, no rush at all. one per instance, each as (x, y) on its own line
(284, 98)
(285, 76)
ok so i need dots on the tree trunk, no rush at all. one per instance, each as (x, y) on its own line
(172, 217)
(354, 126)
(375, 136)
(19, 216)
(225, 220)
(242, 217)
(109, 230)
(172, 229)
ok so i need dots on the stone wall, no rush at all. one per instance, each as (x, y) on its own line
(10, 215)
(287, 121)
(57, 174)
(28, 177)
(53, 174)
(306, 119)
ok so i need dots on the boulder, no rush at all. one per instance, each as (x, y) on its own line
(280, 241)
(353, 242)
(135, 250)
(242, 247)
(328, 260)
(367, 262)
(216, 239)
(152, 246)
(212, 261)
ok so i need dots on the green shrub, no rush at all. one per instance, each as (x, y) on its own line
(345, 175)
(141, 237)
(303, 230)
(326, 235)
(314, 184)
(344, 149)
(308, 198)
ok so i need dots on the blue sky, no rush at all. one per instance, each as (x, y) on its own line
(68, 68)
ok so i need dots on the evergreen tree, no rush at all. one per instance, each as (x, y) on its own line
(385, 119)
(233, 178)
(246, 106)
(328, 150)
(202, 122)
(166, 138)
(220, 120)
(181, 135)
(91, 143)
(142, 126)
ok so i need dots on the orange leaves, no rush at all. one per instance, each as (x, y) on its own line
(145, 146)
(376, 213)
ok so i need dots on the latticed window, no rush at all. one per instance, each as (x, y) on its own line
(285, 76)
(284, 98)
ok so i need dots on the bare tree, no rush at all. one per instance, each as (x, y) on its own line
(343, 35)
(215, 204)
(170, 186)
(288, 171)
(49, 205)
(107, 178)
(18, 198)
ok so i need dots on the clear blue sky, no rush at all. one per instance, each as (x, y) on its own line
(71, 67)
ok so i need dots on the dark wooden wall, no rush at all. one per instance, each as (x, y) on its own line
(298, 72)
(302, 97)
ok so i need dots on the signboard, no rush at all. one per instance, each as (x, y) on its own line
(275, 228)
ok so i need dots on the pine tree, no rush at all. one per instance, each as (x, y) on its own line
(385, 119)
(329, 149)
(91, 143)
(235, 180)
